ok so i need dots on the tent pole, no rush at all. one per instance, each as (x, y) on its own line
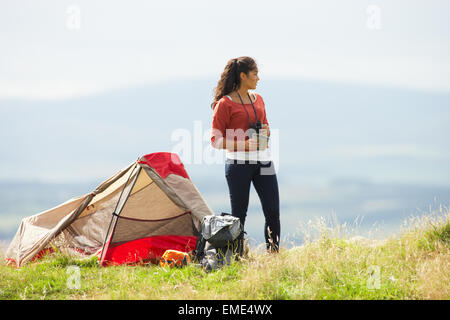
(114, 213)
(126, 199)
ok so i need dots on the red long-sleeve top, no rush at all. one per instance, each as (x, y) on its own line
(231, 115)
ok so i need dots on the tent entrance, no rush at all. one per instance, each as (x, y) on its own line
(132, 232)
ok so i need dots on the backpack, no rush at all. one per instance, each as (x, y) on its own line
(221, 238)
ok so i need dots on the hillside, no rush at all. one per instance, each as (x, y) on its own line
(413, 265)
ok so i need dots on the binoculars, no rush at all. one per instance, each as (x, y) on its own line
(262, 139)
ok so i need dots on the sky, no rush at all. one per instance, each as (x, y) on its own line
(66, 49)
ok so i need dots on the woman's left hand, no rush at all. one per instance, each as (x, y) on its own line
(265, 128)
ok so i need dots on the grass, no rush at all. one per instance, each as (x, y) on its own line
(412, 265)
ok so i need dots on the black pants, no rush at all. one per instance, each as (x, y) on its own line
(239, 176)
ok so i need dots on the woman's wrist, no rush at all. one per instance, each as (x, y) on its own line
(237, 145)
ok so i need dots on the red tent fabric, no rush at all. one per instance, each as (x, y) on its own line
(165, 163)
(147, 249)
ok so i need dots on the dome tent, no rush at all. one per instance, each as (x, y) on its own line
(137, 214)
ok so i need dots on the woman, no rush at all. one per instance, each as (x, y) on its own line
(236, 116)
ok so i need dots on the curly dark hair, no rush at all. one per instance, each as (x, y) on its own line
(230, 79)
